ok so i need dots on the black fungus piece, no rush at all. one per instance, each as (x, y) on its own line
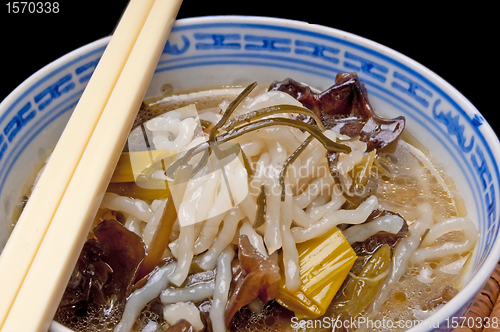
(344, 107)
(371, 245)
(89, 276)
(103, 274)
(253, 276)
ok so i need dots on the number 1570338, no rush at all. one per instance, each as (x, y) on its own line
(25, 7)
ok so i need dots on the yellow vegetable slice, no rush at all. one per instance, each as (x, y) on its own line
(324, 264)
(132, 176)
(134, 165)
(131, 189)
(360, 290)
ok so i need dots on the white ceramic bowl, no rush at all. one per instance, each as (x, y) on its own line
(228, 50)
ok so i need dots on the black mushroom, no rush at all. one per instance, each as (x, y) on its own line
(344, 107)
(103, 276)
(373, 243)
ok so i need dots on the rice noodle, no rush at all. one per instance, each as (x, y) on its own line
(186, 132)
(321, 200)
(222, 283)
(254, 238)
(156, 204)
(142, 296)
(215, 216)
(336, 202)
(293, 176)
(403, 252)
(272, 235)
(278, 153)
(300, 217)
(175, 130)
(249, 207)
(186, 213)
(181, 310)
(429, 251)
(167, 122)
(222, 202)
(208, 233)
(164, 143)
(238, 182)
(312, 160)
(174, 248)
(134, 225)
(211, 116)
(207, 196)
(279, 133)
(153, 222)
(449, 225)
(266, 99)
(290, 254)
(187, 199)
(332, 219)
(456, 266)
(252, 148)
(314, 189)
(259, 176)
(185, 253)
(226, 235)
(360, 233)
(136, 207)
(194, 293)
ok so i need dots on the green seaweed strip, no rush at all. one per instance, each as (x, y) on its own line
(266, 111)
(205, 149)
(289, 161)
(230, 109)
(246, 163)
(311, 129)
(260, 216)
(170, 172)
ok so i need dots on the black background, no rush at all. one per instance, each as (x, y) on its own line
(457, 42)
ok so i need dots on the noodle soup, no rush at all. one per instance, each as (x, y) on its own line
(269, 209)
(463, 152)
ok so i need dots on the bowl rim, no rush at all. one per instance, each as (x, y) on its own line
(472, 288)
(49, 69)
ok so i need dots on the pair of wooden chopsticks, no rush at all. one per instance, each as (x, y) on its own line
(39, 257)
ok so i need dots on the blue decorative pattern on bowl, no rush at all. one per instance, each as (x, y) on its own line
(221, 51)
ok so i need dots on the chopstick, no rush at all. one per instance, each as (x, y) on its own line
(30, 229)
(68, 218)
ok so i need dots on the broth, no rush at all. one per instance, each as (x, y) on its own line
(256, 206)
